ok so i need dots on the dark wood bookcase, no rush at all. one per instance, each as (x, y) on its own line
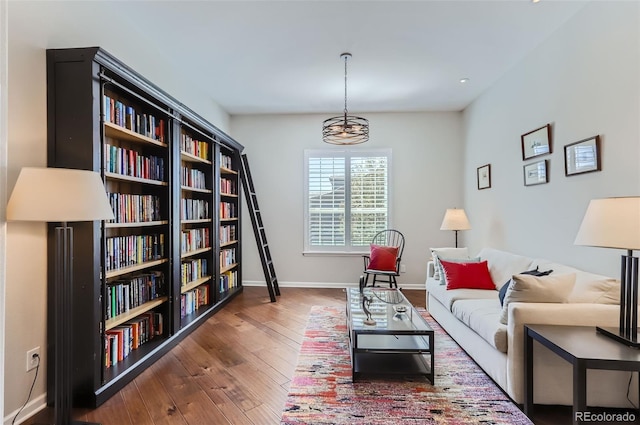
(171, 257)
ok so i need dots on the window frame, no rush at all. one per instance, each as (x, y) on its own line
(347, 153)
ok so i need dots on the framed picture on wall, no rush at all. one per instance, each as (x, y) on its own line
(536, 142)
(484, 177)
(582, 157)
(536, 173)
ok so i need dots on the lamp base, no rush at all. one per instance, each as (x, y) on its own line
(614, 333)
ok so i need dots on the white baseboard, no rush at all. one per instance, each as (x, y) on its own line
(326, 284)
(33, 407)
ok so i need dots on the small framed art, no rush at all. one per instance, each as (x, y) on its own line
(536, 142)
(582, 157)
(484, 177)
(536, 173)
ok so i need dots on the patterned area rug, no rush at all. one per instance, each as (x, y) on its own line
(321, 391)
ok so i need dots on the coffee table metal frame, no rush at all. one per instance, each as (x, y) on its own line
(400, 343)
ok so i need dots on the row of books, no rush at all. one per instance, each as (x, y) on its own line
(194, 147)
(132, 208)
(227, 210)
(228, 280)
(119, 113)
(227, 233)
(129, 162)
(194, 209)
(227, 257)
(125, 251)
(228, 186)
(193, 269)
(192, 300)
(193, 177)
(121, 340)
(192, 239)
(226, 161)
(126, 294)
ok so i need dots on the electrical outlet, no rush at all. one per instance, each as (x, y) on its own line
(33, 358)
(403, 268)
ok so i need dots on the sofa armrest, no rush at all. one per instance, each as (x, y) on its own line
(520, 314)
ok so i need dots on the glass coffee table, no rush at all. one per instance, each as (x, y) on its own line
(396, 340)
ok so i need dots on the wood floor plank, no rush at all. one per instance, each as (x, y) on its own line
(134, 404)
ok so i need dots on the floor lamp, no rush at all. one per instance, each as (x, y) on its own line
(615, 223)
(455, 219)
(60, 195)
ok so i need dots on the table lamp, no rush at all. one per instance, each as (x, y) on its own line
(455, 219)
(60, 195)
(615, 223)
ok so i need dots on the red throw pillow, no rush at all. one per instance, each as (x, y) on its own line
(383, 258)
(467, 275)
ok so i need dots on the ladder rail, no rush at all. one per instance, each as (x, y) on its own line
(258, 230)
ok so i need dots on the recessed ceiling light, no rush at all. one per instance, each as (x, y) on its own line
(464, 80)
(535, 1)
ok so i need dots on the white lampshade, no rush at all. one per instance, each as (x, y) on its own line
(611, 223)
(58, 195)
(455, 219)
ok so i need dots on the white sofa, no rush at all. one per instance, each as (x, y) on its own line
(471, 317)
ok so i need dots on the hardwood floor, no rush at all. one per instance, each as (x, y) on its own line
(234, 369)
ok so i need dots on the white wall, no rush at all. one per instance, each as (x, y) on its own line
(32, 28)
(3, 185)
(426, 180)
(584, 81)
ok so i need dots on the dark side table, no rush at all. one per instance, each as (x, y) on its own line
(585, 349)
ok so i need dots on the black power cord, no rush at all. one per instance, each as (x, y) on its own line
(629, 389)
(30, 391)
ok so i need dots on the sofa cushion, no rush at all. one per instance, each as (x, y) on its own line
(483, 316)
(470, 275)
(503, 265)
(537, 289)
(448, 297)
(589, 287)
(447, 253)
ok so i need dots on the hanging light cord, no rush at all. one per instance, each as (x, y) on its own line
(345, 87)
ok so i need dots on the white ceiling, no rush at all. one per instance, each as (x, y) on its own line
(284, 56)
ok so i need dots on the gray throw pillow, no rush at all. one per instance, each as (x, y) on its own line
(537, 289)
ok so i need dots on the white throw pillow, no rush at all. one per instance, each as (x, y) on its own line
(537, 289)
(446, 253)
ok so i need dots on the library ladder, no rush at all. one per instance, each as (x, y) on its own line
(258, 230)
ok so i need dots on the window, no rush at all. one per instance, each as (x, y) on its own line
(346, 198)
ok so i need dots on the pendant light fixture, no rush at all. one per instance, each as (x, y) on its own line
(345, 129)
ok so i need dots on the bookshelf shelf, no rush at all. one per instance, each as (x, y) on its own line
(126, 270)
(195, 189)
(122, 318)
(162, 164)
(192, 158)
(223, 244)
(123, 177)
(224, 170)
(114, 130)
(194, 284)
(199, 221)
(136, 224)
(229, 267)
(195, 252)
